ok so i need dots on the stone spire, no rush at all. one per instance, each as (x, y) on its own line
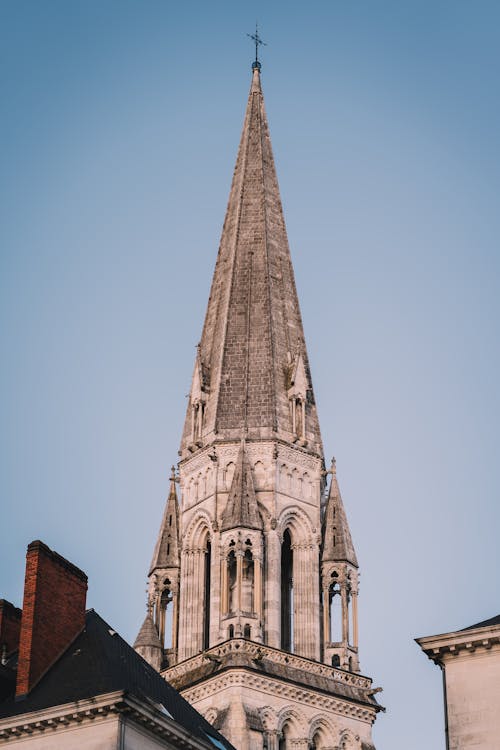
(147, 643)
(337, 540)
(252, 337)
(241, 510)
(167, 553)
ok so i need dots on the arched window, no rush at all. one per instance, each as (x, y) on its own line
(164, 615)
(287, 593)
(231, 581)
(247, 582)
(230, 631)
(206, 597)
(246, 631)
(335, 612)
(350, 664)
(335, 660)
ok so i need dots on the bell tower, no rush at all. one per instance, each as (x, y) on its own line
(258, 570)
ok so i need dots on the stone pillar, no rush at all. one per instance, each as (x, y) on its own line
(326, 615)
(355, 619)
(257, 587)
(239, 577)
(272, 592)
(224, 589)
(272, 738)
(345, 616)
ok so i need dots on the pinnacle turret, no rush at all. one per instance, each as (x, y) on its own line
(167, 552)
(337, 540)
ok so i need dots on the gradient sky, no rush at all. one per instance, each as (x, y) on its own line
(118, 134)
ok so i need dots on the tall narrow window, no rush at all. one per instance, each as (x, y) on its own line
(247, 582)
(287, 593)
(206, 602)
(335, 613)
(231, 581)
(164, 616)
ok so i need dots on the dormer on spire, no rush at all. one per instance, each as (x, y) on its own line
(297, 395)
(241, 510)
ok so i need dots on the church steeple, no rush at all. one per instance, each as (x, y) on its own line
(253, 328)
(262, 604)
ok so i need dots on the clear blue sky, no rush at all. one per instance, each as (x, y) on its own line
(118, 134)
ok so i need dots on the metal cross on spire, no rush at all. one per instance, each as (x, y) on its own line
(258, 42)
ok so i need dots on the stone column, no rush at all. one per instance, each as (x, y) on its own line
(272, 590)
(345, 616)
(224, 591)
(355, 619)
(272, 738)
(326, 615)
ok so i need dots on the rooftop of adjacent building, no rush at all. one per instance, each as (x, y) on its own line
(97, 662)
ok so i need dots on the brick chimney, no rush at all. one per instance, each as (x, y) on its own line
(53, 613)
(10, 626)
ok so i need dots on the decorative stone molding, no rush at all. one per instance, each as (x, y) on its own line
(258, 651)
(282, 690)
(49, 720)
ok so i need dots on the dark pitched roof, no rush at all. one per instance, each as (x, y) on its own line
(99, 661)
(483, 624)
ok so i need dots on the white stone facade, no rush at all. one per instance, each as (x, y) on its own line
(470, 660)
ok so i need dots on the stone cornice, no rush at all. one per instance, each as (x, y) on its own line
(441, 647)
(54, 718)
(350, 692)
(280, 689)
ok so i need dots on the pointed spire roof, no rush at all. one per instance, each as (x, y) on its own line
(241, 509)
(166, 554)
(253, 326)
(148, 635)
(337, 541)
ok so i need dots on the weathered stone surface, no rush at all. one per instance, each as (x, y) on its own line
(252, 586)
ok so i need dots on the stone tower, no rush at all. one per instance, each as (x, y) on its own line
(252, 609)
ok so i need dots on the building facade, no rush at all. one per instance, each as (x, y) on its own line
(253, 586)
(470, 663)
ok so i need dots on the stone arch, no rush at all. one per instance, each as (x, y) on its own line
(284, 478)
(294, 719)
(307, 486)
(211, 715)
(197, 531)
(349, 741)
(269, 718)
(259, 473)
(321, 730)
(229, 474)
(298, 524)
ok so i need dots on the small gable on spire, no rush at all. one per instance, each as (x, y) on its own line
(241, 509)
(337, 540)
(167, 554)
(298, 384)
